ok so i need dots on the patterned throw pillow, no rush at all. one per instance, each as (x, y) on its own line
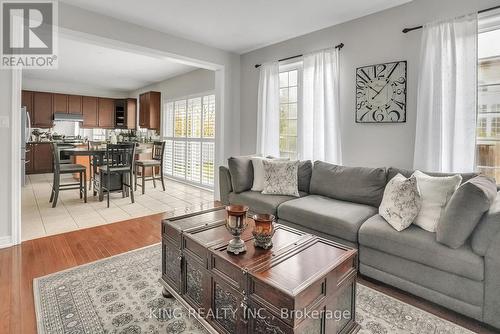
(401, 202)
(280, 178)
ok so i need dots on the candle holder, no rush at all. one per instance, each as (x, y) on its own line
(236, 222)
(264, 230)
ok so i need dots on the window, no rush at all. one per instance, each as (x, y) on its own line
(488, 118)
(289, 105)
(189, 133)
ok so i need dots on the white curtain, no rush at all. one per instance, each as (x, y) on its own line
(319, 122)
(447, 97)
(268, 118)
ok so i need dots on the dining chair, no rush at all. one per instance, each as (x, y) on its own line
(119, 159)
(156, 161)
(60, 169)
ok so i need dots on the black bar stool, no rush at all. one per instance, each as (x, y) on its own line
(156, 161)
(119, 160)
(66, 169)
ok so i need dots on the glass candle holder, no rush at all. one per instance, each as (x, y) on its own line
(264, 230)
(236, 222)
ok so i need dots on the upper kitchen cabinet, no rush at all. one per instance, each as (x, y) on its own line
(149, 110)
(74, 104)
(42, 110)
(131, 113)
(90, 112)
(106, 107)
(27, 102)
(60, 102)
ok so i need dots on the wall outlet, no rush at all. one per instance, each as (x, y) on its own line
(4, 122)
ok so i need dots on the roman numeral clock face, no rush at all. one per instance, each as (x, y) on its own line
(381, 93)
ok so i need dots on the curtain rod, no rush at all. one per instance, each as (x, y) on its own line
(340, 46)
(406, 30)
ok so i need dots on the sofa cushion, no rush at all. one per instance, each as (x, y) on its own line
(260, 203)
(280, 178)
(487, 229)
(327, 215)
(393, 171)
(354, 184)
(241, 170)
(420, 246)
(464, 210)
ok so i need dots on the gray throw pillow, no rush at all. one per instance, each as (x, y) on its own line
(304, 175)
(241, 170)
(464, 210)
(354, 184)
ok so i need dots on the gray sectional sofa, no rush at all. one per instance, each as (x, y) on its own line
(341, 204)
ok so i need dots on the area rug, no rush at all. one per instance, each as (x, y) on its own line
(120, 295)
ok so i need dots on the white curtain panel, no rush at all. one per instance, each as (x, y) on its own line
(319, 121)
(268, 118)
(447, 97)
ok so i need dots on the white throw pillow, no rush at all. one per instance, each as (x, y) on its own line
(435, 193)
(258, 171)
(401, 202)
(280, 177)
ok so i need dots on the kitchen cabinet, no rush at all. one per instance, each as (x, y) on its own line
(27, 101)
(29, 166)
(75, 104)
(106, 112)
(90, 112)
(43, 110)
(131, 113)
(149, 110)
(41, 158)
(60, 102)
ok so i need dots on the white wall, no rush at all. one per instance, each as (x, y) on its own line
(5, 169)
(194, 82)
(90, 25)
(373, 39)
(70, 88)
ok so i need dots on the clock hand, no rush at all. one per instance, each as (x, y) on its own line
(381, 90)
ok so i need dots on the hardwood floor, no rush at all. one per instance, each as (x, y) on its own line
(39, 257)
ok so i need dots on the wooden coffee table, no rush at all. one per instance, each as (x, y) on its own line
(303, 284)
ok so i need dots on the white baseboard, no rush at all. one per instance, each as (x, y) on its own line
(5, 241)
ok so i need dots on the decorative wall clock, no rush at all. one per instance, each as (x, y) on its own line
(381, 93)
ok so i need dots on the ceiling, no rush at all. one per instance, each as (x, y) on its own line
(94, 65)
(236, 25)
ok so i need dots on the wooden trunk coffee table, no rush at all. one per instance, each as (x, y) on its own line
(303, 284)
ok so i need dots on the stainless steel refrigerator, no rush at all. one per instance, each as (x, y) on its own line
(25, 136)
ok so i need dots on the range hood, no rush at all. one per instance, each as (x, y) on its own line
(61, 116)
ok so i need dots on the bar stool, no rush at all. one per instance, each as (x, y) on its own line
(156, 161)
(119, 160)
(67, 169)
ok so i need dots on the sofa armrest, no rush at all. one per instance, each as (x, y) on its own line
(492, 283)
(225, 186)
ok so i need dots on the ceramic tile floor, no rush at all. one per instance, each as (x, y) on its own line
(39, 219)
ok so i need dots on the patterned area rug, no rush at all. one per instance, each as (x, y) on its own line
(120, 295)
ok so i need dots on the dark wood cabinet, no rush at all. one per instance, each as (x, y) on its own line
(90, 112)
(43, 110)
(40, 157)
(60, 103)
(27, 101)
(131, 113)
(30, 168)
(149, 110)
(74, 104)
(106, 107)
